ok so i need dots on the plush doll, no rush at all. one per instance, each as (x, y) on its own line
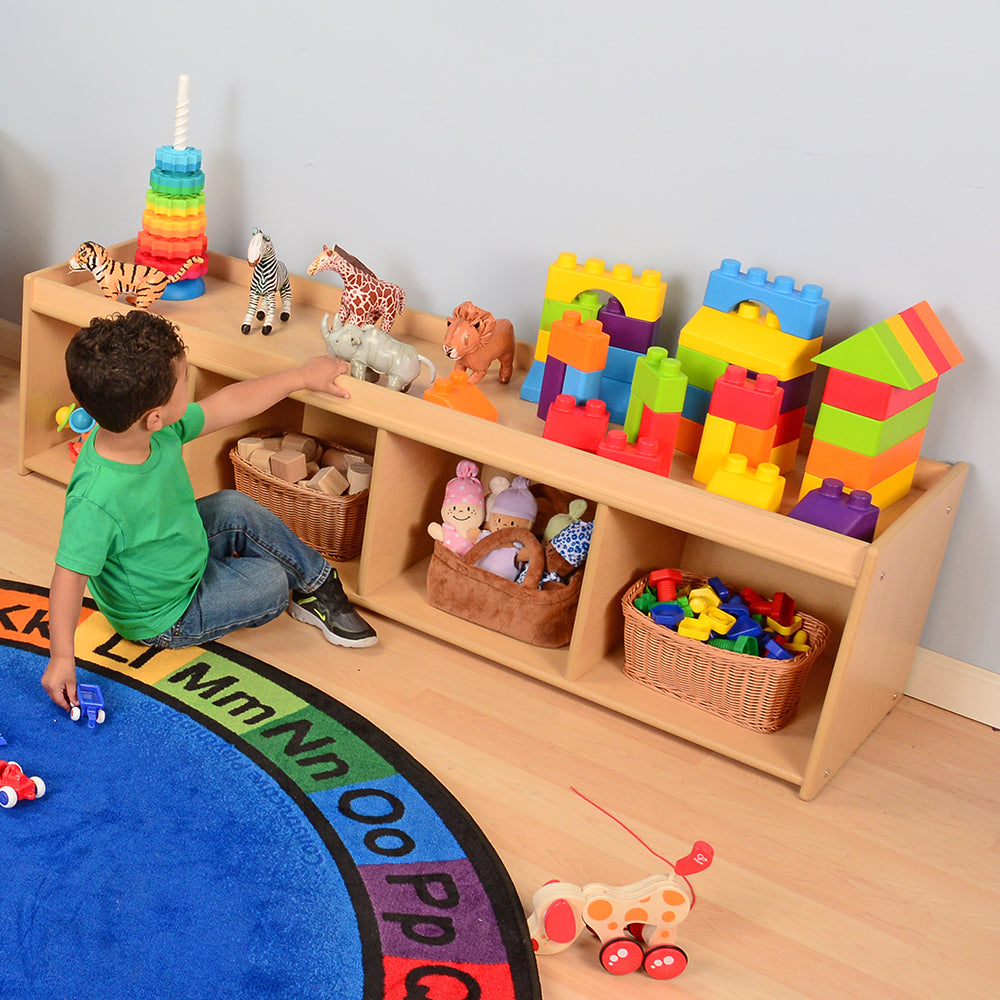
(556, 523)
(514, 507)
(565, 553)
(463, 510)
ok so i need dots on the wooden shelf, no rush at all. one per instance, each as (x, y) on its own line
(874, 596)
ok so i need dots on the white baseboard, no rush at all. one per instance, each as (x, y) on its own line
(958, 687)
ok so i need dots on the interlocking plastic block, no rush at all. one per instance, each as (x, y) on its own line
(455, 393)
(877, 400)
(696, 404)
(553, 376)
(746, 338)
(832, 507)
(164, 182)
(587, 304)
(531, 387)
(579, 342)
(641, 296)
(802, 311)
(861, 472)
(795, 392)
(932, 337)
(688, 436)
(784, 456)
(178, 161)
(755, 442)
(580, 426)
(761, 487)
(659, 381)
(661, 426)
(625, 331)
(620, 364)
(745, 400)
(701, 369)
(883, 494)
(646, 453)
(867, 436)
(616, 395)
(582, 385)
(789, 426)
(716, 443)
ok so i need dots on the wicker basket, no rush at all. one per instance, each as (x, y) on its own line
(334, 526)
(751, 691)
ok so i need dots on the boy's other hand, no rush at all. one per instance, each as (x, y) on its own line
(59, 682)
(320, 374)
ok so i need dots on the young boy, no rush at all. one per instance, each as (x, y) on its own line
(167, 570)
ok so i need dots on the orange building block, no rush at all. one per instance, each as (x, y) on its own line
(456, 393)
(581, 343)
(860, 472)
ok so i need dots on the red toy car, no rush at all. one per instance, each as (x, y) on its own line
(15, 784)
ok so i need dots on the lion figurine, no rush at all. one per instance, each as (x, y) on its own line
(474, 340)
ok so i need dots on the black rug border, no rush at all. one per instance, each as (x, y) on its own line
(468, 834)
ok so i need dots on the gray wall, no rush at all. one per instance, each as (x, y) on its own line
(457, 148)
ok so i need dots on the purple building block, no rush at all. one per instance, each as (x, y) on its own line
(625, 332)
(552, 384)
(829, 506)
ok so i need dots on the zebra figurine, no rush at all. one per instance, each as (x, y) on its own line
(268, 280)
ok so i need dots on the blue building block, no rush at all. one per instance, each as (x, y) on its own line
(616, 396)
(621, 364)
(531, 387)
(801, 312)
(582, 385)
(696, 404)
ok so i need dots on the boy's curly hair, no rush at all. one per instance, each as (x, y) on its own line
(121, 367)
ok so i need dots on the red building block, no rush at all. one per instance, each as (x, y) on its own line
(582, 426)
(646, 453)
(745, 400)
(877, 400)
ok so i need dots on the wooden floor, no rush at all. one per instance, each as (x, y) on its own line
(886, 886)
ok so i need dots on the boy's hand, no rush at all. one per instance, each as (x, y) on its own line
(320, 375)
(59, 681)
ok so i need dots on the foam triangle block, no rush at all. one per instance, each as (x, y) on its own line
(874, 353)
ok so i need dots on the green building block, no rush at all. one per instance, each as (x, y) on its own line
(865, 435)
(701, 369)
(587, 304)
(658, 383)
(874, 353)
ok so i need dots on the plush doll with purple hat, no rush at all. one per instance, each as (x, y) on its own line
(463, 510)
(514, 507)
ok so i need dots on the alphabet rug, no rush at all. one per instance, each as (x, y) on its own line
(230, 832)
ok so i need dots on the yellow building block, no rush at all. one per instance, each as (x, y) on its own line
(783, 456)
(762, 487)
(745, 338)
(542, 345)
(642, 297)
(716, 443)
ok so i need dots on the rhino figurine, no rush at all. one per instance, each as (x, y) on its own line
(372, 353)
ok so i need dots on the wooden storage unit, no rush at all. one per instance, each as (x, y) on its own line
(874, 596)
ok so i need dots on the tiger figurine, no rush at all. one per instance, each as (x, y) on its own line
(141, 284)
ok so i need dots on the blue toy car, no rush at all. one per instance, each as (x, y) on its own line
(91, 705)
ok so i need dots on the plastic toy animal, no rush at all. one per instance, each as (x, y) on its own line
(474, 340)
(367, 300)
(636, 924)
(91, 705)
(15, 785)
(372, 352)
(268, 280)
(141, 284)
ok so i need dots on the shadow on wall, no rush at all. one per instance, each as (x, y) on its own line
(25, 210)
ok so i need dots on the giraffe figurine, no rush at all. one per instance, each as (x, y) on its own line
(636, 924)
(367, 300)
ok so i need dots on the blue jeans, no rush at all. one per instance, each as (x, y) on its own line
(254, 560)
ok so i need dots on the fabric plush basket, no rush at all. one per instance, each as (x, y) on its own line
(539, 617)
(751, 691)
(334, 526)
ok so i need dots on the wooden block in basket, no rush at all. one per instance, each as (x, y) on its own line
(333, 525)
(751, 691)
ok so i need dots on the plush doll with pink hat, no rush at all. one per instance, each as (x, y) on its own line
(514, 507)
(463, 510)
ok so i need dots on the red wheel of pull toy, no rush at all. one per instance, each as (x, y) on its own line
(665, 962)
(621, 956)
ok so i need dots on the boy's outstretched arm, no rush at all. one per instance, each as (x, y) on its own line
(243, 400)
(65, 602)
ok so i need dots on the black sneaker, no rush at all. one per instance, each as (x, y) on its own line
(329, 610)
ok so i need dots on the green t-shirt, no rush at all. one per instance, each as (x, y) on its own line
(134, 530)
